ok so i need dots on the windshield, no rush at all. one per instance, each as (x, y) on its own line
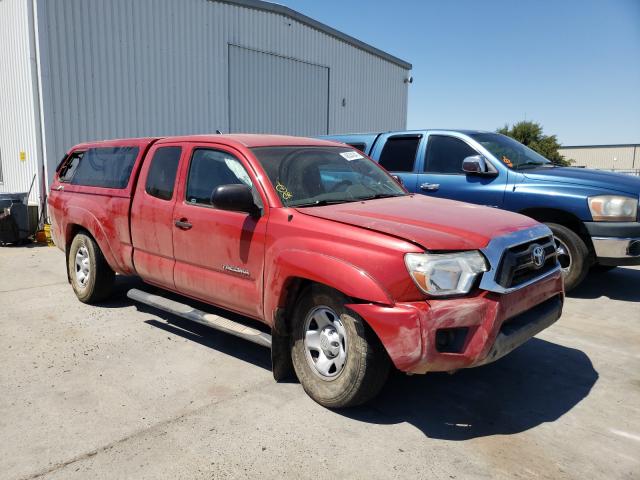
(510, 152)
(310, 176)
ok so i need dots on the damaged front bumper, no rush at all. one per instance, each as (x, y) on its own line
(450, 334)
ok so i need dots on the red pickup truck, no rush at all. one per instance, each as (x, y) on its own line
(312, 248)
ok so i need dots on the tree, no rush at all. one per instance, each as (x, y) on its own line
(531, 135)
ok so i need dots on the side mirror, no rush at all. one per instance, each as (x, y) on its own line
(398, 179)
(235, 198)
(476, 164)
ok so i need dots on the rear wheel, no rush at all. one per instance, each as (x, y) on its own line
(573, 255)
(337, 358)
(90, 275)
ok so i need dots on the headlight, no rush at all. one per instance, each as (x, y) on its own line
(447, 273)
(613, 208)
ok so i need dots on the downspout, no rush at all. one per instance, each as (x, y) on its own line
(36, 85)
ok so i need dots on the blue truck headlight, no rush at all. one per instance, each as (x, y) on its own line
(613, 208)
(440, 274)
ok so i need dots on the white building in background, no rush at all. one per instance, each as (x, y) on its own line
(80, 70)
(605, 157)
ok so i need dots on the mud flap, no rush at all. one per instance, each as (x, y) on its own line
(281, 365)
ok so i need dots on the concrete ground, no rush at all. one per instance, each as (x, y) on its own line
(117, 392)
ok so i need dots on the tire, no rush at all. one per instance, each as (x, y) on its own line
(89, 273)
(579, 260)
(365, 362)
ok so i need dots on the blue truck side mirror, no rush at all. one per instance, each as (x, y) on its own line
(476, 164)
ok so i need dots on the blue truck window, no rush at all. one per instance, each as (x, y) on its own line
(445, 154)
(358, 146)
(399, 153)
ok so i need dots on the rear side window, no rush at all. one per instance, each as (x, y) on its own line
(70, 166)
(399, 153)
(445, 154)
(209, 169)
(108, 167)
(162, 172)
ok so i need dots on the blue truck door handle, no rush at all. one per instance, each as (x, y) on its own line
(430, 187)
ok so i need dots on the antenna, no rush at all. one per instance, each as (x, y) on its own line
(218, 132)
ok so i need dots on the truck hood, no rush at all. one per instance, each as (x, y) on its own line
(432, 223)
(582, 176)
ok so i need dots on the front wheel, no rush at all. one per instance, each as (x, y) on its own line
(337, 358)
(573, 255)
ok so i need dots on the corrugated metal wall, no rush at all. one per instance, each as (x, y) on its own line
(619, 157)
(297, 91)
(121, 68)
(18, 126)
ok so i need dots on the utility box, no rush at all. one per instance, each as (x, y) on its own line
(18, 220)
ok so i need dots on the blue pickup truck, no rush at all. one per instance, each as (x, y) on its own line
(593, 214)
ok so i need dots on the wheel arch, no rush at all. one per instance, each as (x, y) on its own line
(292, 289)
(561, 217)
(293, 268)
(91, 227)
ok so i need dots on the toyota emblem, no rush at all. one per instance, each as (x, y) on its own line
(538, 256)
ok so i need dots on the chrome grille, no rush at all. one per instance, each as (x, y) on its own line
(518, 265)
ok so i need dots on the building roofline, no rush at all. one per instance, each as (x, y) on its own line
(288, 12)
(617, 145)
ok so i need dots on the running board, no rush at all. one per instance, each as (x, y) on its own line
(209, 319)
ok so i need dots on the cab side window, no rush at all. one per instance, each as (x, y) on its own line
(69, 167)
(210, 169)
(399, 153)
(162, 172)
(445, 154)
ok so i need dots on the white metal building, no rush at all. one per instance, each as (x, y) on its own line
(79, 70)
(605, 157)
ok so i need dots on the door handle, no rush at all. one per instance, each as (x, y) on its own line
(430, 187)
(183, 224)
(60, 187)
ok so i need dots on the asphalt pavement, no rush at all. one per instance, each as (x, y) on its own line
(118, 391)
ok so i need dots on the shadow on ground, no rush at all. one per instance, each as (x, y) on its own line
(537, 383)
(206, 336)
(618, 284)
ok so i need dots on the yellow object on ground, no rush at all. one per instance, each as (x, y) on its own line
(44, 235)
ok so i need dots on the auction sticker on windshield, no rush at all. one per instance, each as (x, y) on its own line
(349, 156)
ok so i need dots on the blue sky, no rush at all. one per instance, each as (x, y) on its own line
(573, 66)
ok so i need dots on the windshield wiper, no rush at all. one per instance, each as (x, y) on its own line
(529, 164)
(320, 203)
(381, 195)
